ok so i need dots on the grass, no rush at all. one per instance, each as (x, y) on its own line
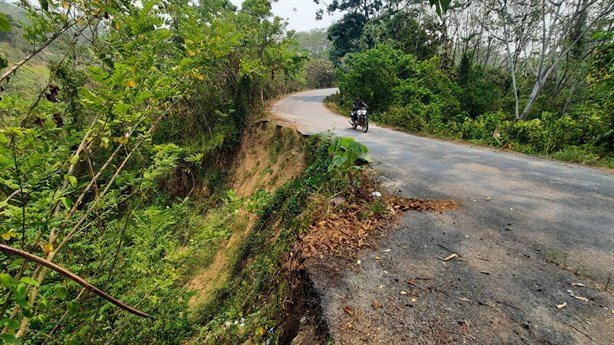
(561, 259)
(576, 154)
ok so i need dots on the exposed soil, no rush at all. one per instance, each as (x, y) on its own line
(268, 157)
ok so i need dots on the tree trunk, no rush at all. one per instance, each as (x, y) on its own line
(534, 93)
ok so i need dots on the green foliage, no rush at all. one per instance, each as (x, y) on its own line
(399, 89)
(320, 73)
(253, 304)
(257, 202)
(345, 151)
(372, 75)
(145, 99)
(5, 25)
(576, 154)
(345, 35)
(480, 90)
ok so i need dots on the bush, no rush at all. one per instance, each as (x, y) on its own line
(576, 154)
(401, 90)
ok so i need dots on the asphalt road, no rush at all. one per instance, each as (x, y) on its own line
(517, 215)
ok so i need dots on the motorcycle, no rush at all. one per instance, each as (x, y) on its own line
(362, 119)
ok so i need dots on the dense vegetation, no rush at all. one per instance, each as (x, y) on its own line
(111, 158)
(533, 76)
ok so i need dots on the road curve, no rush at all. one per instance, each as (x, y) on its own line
(516, 210)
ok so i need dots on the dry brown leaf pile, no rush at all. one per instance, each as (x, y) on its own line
(345, 228)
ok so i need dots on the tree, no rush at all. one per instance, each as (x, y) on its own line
(537, 35)
(315, 42)
(345, 35)
(159, 84)
(320, 73)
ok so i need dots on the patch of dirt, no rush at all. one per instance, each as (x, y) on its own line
(268, 157)
(209, 279)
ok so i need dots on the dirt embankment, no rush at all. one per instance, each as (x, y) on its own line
(268, 156)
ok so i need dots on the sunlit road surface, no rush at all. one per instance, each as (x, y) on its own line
(552, 206)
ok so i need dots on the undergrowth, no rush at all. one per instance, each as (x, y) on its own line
(259, 289)
(257, 300)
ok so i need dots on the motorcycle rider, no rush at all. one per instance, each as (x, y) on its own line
(356, 105)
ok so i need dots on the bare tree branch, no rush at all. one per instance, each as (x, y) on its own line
(73, 277)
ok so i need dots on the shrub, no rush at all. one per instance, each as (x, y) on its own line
(576, 154)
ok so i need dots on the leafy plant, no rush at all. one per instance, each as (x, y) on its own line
(345, 151)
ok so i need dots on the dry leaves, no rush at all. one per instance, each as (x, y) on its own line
(342, 228)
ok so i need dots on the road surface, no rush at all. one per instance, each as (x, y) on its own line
(526, 230)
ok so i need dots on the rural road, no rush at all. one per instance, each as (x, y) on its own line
(531, 234)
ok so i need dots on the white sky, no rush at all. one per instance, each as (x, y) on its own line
(300, 14)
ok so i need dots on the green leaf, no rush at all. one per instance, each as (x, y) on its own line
(43, 304)
(20, 291)
(12, 324)
(74, 159)
(29, 281)
(337, 162)
(71, 179)
(67, 202)
(44, 4)
(6, 280)
(17, 262)
(61, 293)
(21, 302)
(71, 306)
(10, 339)
(5, 25)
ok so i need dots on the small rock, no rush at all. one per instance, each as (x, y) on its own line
(338, 201)
(376, 194)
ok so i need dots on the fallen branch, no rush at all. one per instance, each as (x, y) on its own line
(580, 331)
(449, 250)
(72, 276)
